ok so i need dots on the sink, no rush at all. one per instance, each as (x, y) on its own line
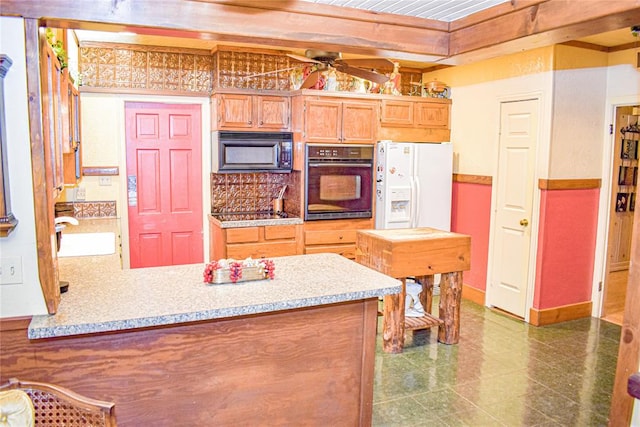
(87, 244)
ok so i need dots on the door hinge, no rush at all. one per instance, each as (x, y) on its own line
(600, 286)
(610, 129)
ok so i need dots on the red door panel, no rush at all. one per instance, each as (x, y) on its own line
(182, 247)
(148, 172)
(165, 185)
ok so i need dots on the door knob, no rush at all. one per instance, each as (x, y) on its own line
(524, 222)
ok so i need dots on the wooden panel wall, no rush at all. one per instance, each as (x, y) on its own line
(309, 366)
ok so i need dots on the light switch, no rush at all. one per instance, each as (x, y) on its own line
(10, 270)
(81, 193)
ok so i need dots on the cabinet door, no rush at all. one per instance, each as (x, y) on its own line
(359, 122)
(273, 112)
(323, 121)
(72, 161)
(235, 111)
(431, 114)
(51, 80)
(397, 113)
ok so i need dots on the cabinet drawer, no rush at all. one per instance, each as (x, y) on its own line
(347, 251)
(329, 237)
(242, 235)
(261, 250)
(277, 232)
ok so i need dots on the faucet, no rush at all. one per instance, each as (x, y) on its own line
(61, 221)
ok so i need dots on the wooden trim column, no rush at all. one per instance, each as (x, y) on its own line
(629, 350)
(42, 198)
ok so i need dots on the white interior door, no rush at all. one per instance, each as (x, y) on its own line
(514, 203)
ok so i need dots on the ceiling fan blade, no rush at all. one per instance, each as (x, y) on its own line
(376, 63)
(272, 72)
(364, 74)
(303, 58)
(311, 80)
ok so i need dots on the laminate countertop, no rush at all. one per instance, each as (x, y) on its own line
(102, 297)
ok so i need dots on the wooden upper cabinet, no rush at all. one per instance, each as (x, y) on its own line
(429, 114)
(273, 112)
(415, 119)
(72, 158)
(397, 113)
(54, 97)
(417, 112)
(334, 120)
(236, 111)
(360, 121)
(323, 120)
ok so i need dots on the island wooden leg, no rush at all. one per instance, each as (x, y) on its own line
(426, 296)
(393, 321)
(449, 309)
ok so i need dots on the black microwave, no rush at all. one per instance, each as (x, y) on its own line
(251, 151)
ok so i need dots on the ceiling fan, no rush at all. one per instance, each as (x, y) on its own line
(362, 68)
(324, 61)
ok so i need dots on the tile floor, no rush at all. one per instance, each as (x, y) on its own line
(503, 372)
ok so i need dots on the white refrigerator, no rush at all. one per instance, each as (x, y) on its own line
(413, 185)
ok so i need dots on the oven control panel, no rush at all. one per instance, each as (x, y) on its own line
(339, 152)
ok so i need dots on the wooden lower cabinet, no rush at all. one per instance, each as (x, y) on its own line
(312, 237)
(335, 236)
(255, 242)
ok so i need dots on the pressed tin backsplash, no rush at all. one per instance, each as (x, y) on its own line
(251, 192)
(84, 210)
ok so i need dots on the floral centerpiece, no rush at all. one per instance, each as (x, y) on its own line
(233, 271)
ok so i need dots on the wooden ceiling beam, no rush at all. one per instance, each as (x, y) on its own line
(292, 24)
(541, 23)
(229, 22)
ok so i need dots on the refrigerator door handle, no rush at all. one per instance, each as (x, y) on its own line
(416, 202)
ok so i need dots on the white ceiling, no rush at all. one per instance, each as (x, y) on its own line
(441, 10)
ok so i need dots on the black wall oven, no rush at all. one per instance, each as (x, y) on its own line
(339, 181)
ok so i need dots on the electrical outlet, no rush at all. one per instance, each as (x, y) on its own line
(10, 270)
(104, 180)
(81, 193)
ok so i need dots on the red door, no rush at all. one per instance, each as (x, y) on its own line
(164, 184)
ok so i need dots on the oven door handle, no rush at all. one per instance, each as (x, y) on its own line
(344, 165)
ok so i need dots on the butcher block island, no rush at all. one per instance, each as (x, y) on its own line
(169, 349)
(420, 253)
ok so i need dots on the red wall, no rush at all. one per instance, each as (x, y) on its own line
(471, 214)
(566, 247)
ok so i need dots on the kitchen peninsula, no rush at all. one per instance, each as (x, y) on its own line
(168, 349)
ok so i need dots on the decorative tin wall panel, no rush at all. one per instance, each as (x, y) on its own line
(171, 69)
(145, 67)
(253, 192)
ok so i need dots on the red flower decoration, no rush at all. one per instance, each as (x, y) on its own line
(208, 271)
(235, 271)
(269, 268)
